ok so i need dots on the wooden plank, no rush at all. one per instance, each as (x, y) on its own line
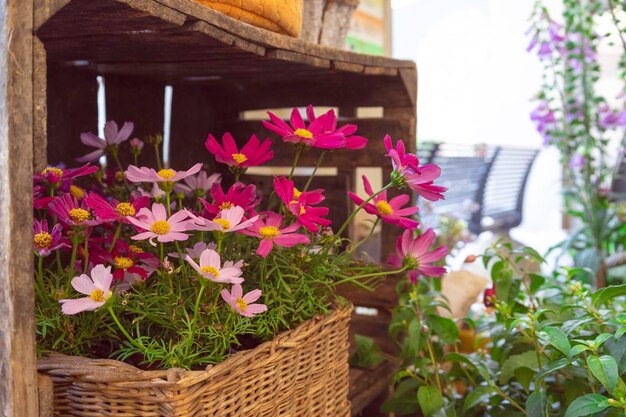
(225, 37)
(367, 385)
(40, 117)
(44, 9)
(46, 395)
(298, 57)
(72, 108)
(18, 390)
(347, 66)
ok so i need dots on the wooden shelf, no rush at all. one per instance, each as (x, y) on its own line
(179, 41)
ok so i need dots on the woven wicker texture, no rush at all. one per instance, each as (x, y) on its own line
(301, 373)
(281, 16)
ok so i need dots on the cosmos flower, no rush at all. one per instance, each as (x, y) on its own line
(157, 225)
(72, 213)
(56, 176)
(210, 268)
(113, 136)
(44, 240)
(115, 210)
(238, 194)
(97, 288)
(413, 253)
(144, 174)
(228, 220)
(243, 304)
(253, 153)
(197, 185)
(314, 134)
(270, 233)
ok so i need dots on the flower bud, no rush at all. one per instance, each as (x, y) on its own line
(470, 259)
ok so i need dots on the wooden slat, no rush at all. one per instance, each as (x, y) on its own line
(367, 385)
(40, 112)
(18, 390)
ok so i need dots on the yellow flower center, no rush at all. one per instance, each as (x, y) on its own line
(302, 210)
(242, 304)
(296, 193)
(123, 262)
(135, 249)
(119, 176)
(79, 215)
(226, 205)
(160, 227)
(53, 170)
(303, 133)
(77, 192)
(99, 296)
(224, 223)
(239, 158)
(384, 208)
(211, 270)
(167, 174)
(125, 209)
(42, 240)
(269, 232)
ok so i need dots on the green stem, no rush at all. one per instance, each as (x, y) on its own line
(369, 235)
(161, 251)
(295, 160)
(119, 166)
(317, 165)
(74, 250)
(40, 273)
(356, 210)
(115, 236)
(169, 204)
(203, 283)
(435, 364)
(86, 257)
(123, 330)
(158, 156)
(372, 275)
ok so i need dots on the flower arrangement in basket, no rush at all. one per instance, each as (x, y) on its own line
(164, 269)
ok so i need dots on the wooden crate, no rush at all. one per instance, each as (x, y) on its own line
(50, 54)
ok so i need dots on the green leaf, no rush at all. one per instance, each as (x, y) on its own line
(525, 376)
(476, 396)
(460, 357)
(574, 388)
(445, 328)
(536, 281)
(575, 350)
(605, 294)
(587, 404)
(429, 399)
(536, 404)
(401, 406)
(552, 367)
(604, 368)
(404, 388)
(617, 349)
(527, 359)
(556, 338)
(601, 339)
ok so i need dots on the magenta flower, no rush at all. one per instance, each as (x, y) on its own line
(413, 254)
(314, 134)
(489, 297)
(72, 213)
(96, 288)
(55, 176)
(198, 185)
(238, 194)
(44, 240)
(407, 170)
(157, 225)
(270, 233)
(210, 268)
(348, 131)
(134, 174)
(113, 136)
(228, 220)
(253, 153)
(242, 304)
(116, 210)
(289, 194)
(130, 262)
(388, 210)
(300, 204)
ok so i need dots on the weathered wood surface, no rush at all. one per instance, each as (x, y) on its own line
(179, 40)
(369, 388)
(18, 390)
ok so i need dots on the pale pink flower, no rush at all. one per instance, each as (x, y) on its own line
(196, 250)
(242, 304)
(136, 144)
(198, 185)
(113, 136)
(157, 225)
(97, 288)
(144, 174)
(211, 269)
(228, 220)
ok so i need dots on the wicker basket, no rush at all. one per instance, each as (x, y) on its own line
(302, 372)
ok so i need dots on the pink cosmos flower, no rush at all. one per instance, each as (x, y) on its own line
(116, 210)
(113, 136)
(195, 251)
(72, 213)
(56, 176)
(228, 220)
(413, 253)
(44, 240)
(155, 192)
(253, 153)
(348, 131)
(314, 134)
(242, 304)
(144, 174)
(418, 178)
(300, 204)
(210, 268)
(136, 144)
(198, 185)
(238, 194)
(388, 210)
(130, 262)
(157, 225)
(270, 233)
(96, 288)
